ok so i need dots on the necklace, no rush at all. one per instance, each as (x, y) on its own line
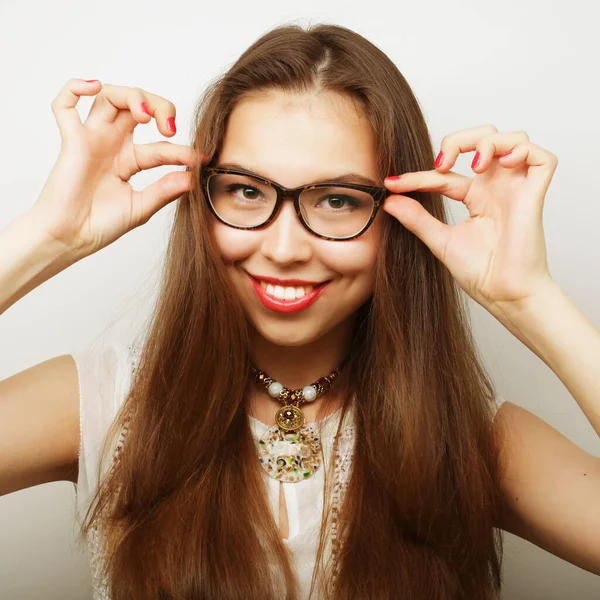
(290, 450)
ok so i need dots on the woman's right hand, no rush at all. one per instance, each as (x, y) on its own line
(87, 202)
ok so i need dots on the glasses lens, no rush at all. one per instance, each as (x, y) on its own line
(240, 199)
(336, 211)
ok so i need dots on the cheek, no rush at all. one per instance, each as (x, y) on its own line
(233, 244)
(354, 259)
(351, 258)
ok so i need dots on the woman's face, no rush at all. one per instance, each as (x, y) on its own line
(297, 140)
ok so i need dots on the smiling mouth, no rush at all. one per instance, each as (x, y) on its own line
(287, 298)
(281, 292)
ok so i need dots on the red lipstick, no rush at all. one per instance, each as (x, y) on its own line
(287, 306)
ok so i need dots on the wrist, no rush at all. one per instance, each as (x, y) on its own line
(32, 225)
(547, 290)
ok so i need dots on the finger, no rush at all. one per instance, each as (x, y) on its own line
(128, 105)
(465, 140)
(162, 110)
(137, 111)
(419, 221)
(166, 153)
(157, 154)
(64, 105)
(157, 195)
(540, 162)
(541, 165)
(497, 144)
(104, 109)
(453, 185)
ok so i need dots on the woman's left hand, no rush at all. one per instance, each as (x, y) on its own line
(498, 254)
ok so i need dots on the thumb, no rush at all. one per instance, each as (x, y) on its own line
(412, 215)
(157, 195)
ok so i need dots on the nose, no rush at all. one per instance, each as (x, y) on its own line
(285, 241)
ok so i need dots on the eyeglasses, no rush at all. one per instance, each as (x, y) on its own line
(331, 211)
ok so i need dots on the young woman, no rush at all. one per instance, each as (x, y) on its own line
(307, 412)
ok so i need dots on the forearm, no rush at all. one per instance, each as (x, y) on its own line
(27, 259)
(554, 328)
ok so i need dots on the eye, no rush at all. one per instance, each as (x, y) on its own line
(337, 202)
(248, 192)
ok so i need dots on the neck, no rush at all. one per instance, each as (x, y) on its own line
(298, 366)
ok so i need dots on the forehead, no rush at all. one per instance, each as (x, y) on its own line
(295, 138)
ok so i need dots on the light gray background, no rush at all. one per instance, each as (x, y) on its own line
(528, 65)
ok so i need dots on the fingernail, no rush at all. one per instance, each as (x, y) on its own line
(90, 80)
(171, 124)
(506, 154)
(145, 108)
(393, 177)
(439, 160)
(475, 160)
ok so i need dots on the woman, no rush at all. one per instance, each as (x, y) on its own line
(307, 412)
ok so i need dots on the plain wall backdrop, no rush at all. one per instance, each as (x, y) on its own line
(527, 65)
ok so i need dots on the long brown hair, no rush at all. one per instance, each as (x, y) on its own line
(184, 512)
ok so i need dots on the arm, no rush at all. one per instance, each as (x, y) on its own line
(552, 327)
(39, 425)
(551, 486)
(29, 258)
(39, 407)
(86, 204)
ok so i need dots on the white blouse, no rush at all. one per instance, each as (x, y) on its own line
(105, 377)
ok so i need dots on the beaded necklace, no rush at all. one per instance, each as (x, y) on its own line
(290, 451)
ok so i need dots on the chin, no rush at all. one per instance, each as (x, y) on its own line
(289, 334)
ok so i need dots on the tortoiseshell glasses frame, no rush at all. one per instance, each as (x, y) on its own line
(377, 193)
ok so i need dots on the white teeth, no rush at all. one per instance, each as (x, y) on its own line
(286, 293)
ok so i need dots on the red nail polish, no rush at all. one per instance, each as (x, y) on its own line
(506, 154)
(171, 124)
(145, 108)
(475, 160)
(90, 80)
(393, 177)
(439, 160)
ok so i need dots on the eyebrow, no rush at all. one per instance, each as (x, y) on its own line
(353, 178)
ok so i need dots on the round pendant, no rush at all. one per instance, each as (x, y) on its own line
(289, 417)
(290, 456)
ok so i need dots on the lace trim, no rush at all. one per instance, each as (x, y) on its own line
(95, 540)
(341, 477)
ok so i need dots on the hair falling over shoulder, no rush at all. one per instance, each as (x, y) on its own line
(183, 512)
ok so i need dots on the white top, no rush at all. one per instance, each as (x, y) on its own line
(105, 378)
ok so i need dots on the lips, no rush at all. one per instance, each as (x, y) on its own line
(287, 306)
